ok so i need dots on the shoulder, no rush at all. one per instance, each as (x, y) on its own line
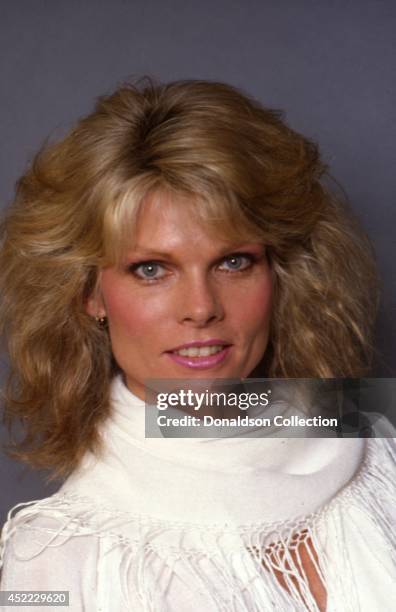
(366, 505)
(65, 543)
(376, 474)
(32, 527)
(53, 522)
(70, 543)
(37, 552)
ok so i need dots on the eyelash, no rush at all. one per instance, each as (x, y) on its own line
(133, 268)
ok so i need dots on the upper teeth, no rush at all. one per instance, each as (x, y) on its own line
(200, 351)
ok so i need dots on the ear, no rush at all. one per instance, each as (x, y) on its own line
(94, 305)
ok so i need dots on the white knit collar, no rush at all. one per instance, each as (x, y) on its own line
(294, 456)
(205, 481)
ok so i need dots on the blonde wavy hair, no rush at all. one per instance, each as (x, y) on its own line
(76, 206)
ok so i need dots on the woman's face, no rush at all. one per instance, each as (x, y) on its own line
(183, 304)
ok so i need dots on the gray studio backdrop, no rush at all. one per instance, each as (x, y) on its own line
(329, 64)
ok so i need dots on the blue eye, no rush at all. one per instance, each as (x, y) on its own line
(148, 270)
(237, 263)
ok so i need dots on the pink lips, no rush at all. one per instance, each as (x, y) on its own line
(204, 362)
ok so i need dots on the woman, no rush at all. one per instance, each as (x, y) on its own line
(183, 232)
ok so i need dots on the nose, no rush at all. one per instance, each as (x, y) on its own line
(200, 303)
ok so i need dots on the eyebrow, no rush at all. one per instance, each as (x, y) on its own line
(140, 251)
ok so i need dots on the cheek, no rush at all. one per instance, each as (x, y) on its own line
(128, 311)
(254, 310)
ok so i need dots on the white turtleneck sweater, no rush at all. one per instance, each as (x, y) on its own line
(209, 525)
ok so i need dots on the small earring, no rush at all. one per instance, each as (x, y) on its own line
(101, 321)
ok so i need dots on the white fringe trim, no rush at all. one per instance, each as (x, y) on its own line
(237, 568)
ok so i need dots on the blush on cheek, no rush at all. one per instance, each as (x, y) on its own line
(132, 313)
(258, 303)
